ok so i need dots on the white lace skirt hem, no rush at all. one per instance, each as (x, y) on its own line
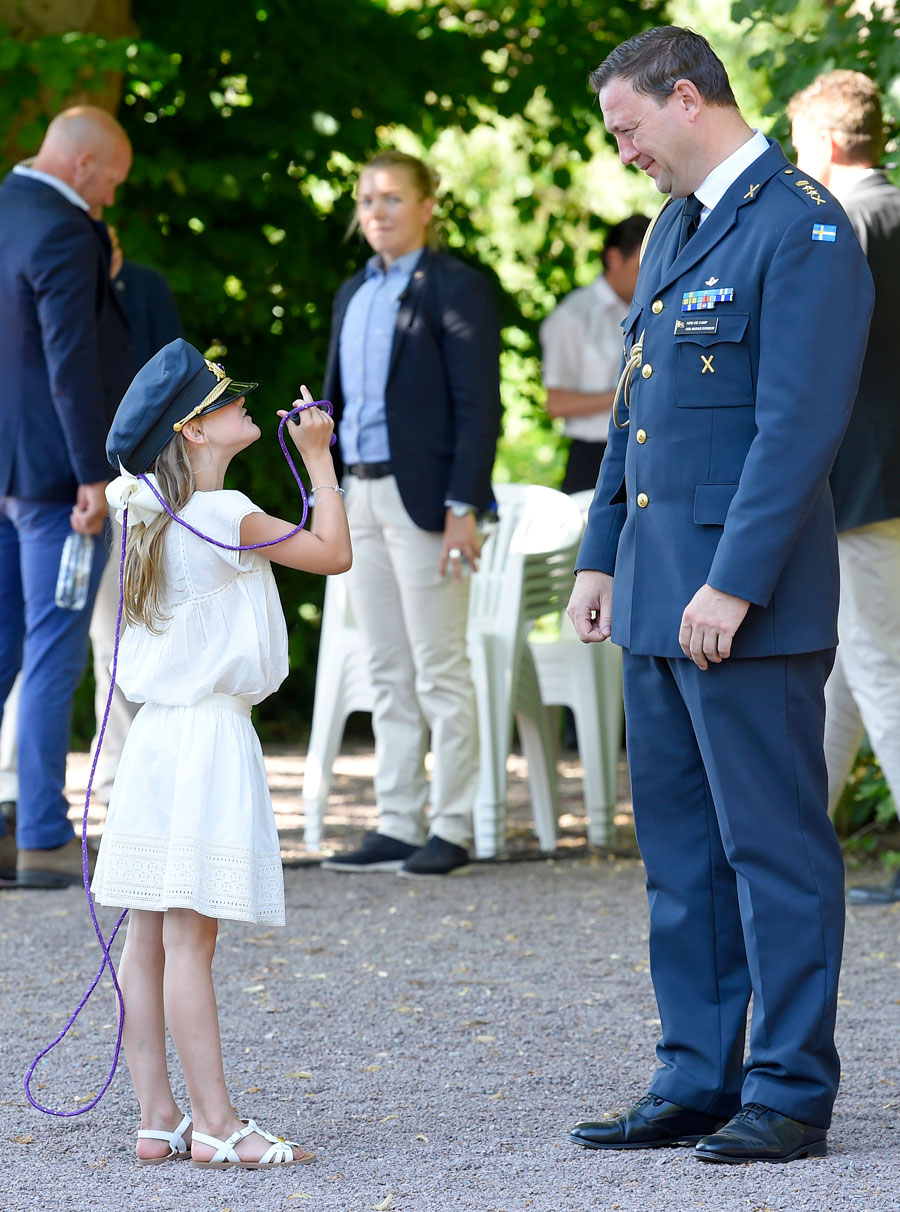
(185, 873)
(190, 821)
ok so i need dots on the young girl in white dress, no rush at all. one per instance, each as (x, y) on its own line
(190, 835)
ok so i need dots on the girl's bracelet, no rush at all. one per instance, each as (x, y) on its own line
(316, 488)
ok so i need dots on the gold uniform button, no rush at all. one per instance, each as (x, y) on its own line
(643, 500)
(646, 371)
(656, 306)
(641, 436)
(789, 172)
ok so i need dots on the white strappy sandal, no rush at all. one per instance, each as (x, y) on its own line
(178, 1146)
(279, 1153)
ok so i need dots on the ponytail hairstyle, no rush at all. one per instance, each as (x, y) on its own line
(425, 179)
(143, 569)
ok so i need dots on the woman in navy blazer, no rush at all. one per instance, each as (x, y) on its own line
(413, 373)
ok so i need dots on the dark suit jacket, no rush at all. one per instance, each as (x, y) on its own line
(722, 474)
(149, 308)
(443, 389)
(65, 349)
(865, 481)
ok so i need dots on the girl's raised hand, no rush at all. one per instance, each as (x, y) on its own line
(311, 432)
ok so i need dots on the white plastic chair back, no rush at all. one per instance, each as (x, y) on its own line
(587, 678)
(525, 572)
(342, 686)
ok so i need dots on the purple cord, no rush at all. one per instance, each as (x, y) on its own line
(106, 944)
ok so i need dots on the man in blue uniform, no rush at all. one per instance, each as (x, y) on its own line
(710, 556)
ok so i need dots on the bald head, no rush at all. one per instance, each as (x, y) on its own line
(87, 148)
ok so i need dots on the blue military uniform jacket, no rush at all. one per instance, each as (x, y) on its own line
(752, 341)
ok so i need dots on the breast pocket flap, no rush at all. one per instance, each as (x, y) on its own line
(711, 502)
(729, 328)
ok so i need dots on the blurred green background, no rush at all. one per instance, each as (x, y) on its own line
(249, 119)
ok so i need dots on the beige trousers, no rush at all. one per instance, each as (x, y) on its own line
(863, 691)
(413, 625)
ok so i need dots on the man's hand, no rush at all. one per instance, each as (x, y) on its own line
(460, 544)
(590, 606)
(708, 625)
(89, 514)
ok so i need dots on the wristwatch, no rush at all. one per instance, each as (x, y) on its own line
(459, 510)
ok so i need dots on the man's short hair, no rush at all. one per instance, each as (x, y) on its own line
(847, 104)
(627, 236)
(653, 62)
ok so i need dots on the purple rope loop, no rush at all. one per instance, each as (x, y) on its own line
(106, 944)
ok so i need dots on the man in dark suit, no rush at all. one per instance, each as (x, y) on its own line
(710, 556)
(838, 131)
(66, 357)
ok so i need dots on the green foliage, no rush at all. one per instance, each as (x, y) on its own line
(866, 802)
(805, 38)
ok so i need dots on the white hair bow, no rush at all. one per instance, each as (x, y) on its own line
(127, 491)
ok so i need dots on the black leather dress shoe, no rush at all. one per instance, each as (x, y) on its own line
(759, 1134)
(650, 1124)
(876, 894)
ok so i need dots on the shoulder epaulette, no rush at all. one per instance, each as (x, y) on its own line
(802, 187)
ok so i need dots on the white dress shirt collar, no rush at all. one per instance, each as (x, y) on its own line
(25, 170)
(724, 175)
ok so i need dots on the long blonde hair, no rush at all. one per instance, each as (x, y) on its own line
(143, 572)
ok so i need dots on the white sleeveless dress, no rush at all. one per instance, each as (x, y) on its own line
(190, 821)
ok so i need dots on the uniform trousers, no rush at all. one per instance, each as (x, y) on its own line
(49, 645)
(744, 878)
(413, 625)
(863, 691)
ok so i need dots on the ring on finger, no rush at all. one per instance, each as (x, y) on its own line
(454, 553)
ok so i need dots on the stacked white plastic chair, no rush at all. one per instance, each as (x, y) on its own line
(342, 686)
(587, 678)
(525, 573)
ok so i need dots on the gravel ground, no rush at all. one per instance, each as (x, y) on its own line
(432, 1042)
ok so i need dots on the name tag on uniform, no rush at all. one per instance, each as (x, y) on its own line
(696, 325)
(703, 300)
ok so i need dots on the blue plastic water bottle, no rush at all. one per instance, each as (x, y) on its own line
(74, 577)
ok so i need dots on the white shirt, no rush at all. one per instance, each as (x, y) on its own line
(223, 630)
(24, 170)
(581, 341)
(724, 175)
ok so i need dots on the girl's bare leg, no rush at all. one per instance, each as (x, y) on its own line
(189, 940)
(144, 1034)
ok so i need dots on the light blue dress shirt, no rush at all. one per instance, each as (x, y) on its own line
(367, 336)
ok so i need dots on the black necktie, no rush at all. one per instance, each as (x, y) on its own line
(690, 220)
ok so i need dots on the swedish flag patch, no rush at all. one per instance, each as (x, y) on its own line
(824, 231)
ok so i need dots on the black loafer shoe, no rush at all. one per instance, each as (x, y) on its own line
(435, 858)
(652, 1123)
(876, 894)
(759, 1134)
(377, 853)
